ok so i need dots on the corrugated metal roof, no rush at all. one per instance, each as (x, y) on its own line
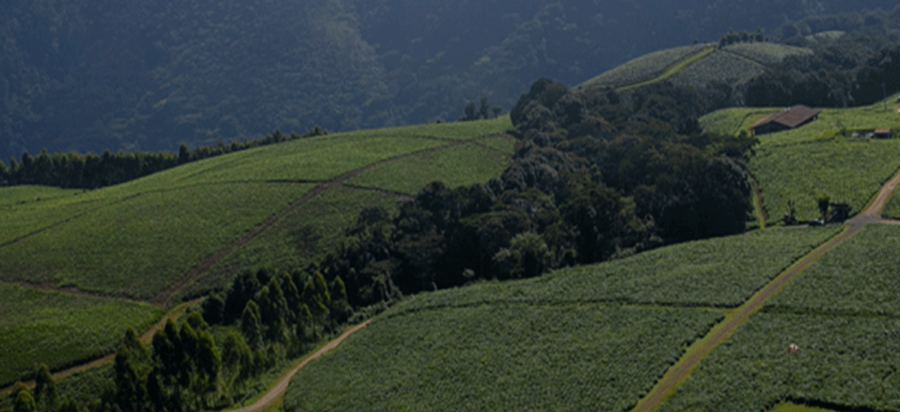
(883, 131)
(790, 117)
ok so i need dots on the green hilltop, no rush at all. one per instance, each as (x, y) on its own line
(697, 66)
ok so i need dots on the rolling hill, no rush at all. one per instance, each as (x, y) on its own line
(697, 66)
(88, 76)
(124, 252)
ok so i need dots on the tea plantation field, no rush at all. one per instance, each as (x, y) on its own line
(697, 65)
(60, 329)
(501, 357)
(576, 339)
(819, 159)
(139, 239)
(841, 313)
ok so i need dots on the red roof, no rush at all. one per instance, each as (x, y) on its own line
(790, 117)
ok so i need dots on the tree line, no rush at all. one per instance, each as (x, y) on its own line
(859, 66)
(267, 318)
(91, 171)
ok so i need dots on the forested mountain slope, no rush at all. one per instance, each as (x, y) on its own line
(94, 75)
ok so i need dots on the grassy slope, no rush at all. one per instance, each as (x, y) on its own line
(141, 236)
(302, 238)
(140, 246)
(842, 314)
(459, 166)
(498, 357)
(817, 159)
(137, 238)
(694, 66)
(59, 329)
(577, 339)
(643, 68)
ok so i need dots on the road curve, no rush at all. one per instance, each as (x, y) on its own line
(280, 387)
(721, 332)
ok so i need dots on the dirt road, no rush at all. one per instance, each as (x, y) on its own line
(278, 390)
(721, 332)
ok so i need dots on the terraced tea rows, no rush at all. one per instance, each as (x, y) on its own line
(575, 339)
(643, 68)
(60, 329)
(499, 357)
(154, 237)
(841, 313)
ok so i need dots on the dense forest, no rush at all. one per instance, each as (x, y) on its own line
(595, 175)
(79, 75)
(856, 61)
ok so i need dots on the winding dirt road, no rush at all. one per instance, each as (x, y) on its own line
(721, 332)
(278, 390)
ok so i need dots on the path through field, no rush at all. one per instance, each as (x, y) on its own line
(145, 339)
(721, 332)
(278, 389)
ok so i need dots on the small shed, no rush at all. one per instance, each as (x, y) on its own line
(883, 133)
(790, 118)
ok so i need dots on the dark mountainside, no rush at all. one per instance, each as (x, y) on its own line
(90, 76)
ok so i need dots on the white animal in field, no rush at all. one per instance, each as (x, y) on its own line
(793, 348)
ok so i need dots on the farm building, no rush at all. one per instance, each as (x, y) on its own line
(790, 118)
(883, 133)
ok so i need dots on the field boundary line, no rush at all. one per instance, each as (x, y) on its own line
(672, 70)
(681, 370)
(609, 303)
(42, 230)
(164, 299)
(278, 390)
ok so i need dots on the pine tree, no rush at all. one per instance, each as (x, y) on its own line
(45, 388)
(251, 326)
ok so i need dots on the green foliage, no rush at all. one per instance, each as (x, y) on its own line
(60, 329)
(861, 272)
(718, 67)
(500, 357)
(847, 362)
(526, 257)
(460, 166)
(24, 402)
(140, 246)
(842, 312)
(45, 392)
(251, 326)
(303, 237)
